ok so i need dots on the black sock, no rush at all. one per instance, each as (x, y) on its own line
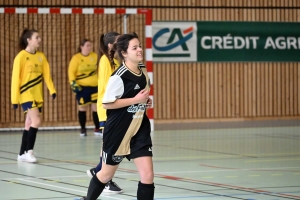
(82, 118)
(31, 138)
(145, 191)
(96, 120)
(24, 142)
(95, 189)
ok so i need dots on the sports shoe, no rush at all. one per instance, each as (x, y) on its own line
(83, 132)
(91, 172)
(98, 132)
(112, 187)
(82, 198)
(22, 158)
(30, 157)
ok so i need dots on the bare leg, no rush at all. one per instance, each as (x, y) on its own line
(146, 186)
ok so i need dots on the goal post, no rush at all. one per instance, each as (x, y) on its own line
(90, 11)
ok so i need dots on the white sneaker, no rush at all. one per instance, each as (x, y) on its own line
(112, 187)
(30, 157)
(98, 132)
(22, 158)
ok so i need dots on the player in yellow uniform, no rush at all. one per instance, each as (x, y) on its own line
(83, 80)
(107, 65)
(29, 69)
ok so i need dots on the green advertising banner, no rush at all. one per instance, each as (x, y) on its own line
(226, 41)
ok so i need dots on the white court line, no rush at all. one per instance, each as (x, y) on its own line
(179, 172)
(53, 177)
(65, 188)
(226, 170)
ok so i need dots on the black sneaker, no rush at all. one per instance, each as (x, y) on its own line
(112, 187)
(83, 132)
(91, 172)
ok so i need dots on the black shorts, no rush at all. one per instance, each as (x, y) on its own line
(87, 95)
(115, 160)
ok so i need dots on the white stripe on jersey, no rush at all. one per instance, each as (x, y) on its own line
(121, 70)
(141, 65)
(104, 156)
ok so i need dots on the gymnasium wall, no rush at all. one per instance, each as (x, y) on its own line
(185, 92)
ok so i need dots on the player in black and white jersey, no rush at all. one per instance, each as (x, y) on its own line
(127, 129)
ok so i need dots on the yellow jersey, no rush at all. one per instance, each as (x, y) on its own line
(82, 69)
(28, 72)
(104, 72)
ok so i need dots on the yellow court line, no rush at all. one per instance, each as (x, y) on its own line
(276, 174)
(254, 175)
(231, 176)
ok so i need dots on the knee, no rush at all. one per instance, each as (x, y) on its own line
(147, 177)
(36, 122)
(104, 177)
(27, 124)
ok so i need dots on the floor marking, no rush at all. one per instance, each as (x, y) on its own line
(271, 160)
(79, 181)
(64, 188)
(276, 174)
(57, 181)
(231, 176)
(254, 175)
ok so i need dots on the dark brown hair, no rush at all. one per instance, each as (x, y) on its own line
(122, 43)
(105, 39)
(26, 34)
(82, 42)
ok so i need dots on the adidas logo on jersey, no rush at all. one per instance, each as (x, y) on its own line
(149, 149)
(137, 87)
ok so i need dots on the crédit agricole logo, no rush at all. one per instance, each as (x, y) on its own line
(174, 43)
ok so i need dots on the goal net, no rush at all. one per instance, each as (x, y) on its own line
(61, 30)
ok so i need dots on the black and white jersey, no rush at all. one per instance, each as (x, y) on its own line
(127, 129)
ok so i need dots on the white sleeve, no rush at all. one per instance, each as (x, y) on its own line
(114, 89)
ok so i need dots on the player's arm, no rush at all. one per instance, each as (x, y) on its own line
(47, 77)
(72, 71)
(15, 81)
(104, 74)
(115, 90)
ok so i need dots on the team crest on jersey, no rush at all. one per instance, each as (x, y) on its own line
(40, 59)
(135, 108)
(117, 159)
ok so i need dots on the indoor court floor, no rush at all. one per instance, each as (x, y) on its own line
(261, 163)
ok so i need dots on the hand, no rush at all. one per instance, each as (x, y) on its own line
(53, 95)
(75, 87)
(15, 106)
(149, 103)
(142, 96)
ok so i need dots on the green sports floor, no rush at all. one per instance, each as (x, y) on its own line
(206, 163)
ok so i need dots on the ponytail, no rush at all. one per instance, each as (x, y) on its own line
(26, 34)
(105, 39)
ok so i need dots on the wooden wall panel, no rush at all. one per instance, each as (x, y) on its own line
(183, 91)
